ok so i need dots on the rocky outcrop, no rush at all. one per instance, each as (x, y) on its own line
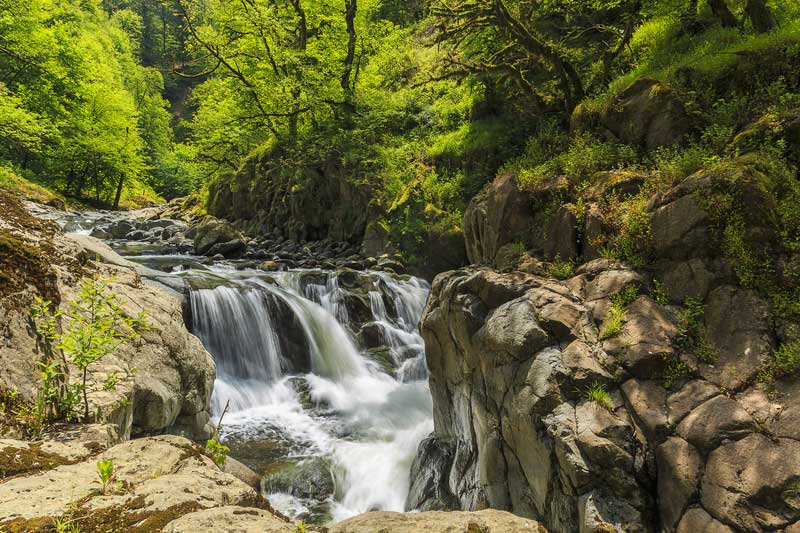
(164, 378)
(509, 410)
(503, 219)
(647, 114)
(313, 204)
(668, 444)
(161, 483)
(488, 521)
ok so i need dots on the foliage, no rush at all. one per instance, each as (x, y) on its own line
(674, 370)
(659, 292)
(561, 269)
(105, 469)
(94, 326)
(214, 448)
(691, 332)
(598, 394)
(785, 362)
(616, 317)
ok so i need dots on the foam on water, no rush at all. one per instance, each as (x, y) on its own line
(366, 422)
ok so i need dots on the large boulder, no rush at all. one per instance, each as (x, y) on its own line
(498, 215)
(155, 482)
(510, 356)
(213, 236)
(647, 114)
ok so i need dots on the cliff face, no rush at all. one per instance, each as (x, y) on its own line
(314, 203)
(657, 398)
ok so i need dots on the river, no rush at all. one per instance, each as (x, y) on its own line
(322, 374)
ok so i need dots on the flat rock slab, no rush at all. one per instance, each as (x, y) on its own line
(488, 521)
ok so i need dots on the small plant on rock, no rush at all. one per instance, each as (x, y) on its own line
(95, 326)
(616, 317)
(598, 394)
(692, 333)
(217, 451)
(105, 469)
(561, 269)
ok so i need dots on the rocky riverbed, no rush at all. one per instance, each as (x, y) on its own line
(167, 379)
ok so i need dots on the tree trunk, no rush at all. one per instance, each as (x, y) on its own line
(119, 191)
(723, 13)
(351, 8)
(760, 15)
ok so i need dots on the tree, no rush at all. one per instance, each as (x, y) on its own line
(543, 49)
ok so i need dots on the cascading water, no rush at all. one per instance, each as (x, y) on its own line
(300, 382)
(323, 374)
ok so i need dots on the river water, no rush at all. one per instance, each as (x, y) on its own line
(330, 420)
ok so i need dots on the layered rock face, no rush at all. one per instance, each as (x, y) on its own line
(510, 356)
(266, 198)
(693, 428)
(164, 378)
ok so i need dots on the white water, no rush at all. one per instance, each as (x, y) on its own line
(366, 422)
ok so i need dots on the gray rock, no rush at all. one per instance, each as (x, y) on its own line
(679, 467)
(714, 421)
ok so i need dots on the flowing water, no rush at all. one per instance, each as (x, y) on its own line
(298, 385)
(321, 375)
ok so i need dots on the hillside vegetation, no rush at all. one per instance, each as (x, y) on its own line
(400, 111)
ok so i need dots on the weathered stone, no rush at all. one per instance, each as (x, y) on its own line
(498, 215)
(647, 402)
(561, 235)
(737, 322)
(696, 520)
(646, 339)
(679, 466)
(692, 394)
(752, 483)
(164, 472)
(714, 421)
(231, 519)
(647, 113)
(488, 521)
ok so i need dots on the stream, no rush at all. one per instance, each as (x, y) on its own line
(322, 373)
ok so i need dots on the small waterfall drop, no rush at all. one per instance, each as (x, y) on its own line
(302, 381)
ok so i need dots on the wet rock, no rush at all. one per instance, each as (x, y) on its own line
(430, 490)
(310, 478)
(228, 249)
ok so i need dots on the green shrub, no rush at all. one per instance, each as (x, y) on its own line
(95, 326)
(561, 269)
(616, 317)
(674, 369)
(598, 394)
(785, 362)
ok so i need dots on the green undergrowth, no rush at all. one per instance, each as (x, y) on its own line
(691, 332)
(616, 317)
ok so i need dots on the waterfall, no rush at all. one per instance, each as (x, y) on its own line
(293, 369)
